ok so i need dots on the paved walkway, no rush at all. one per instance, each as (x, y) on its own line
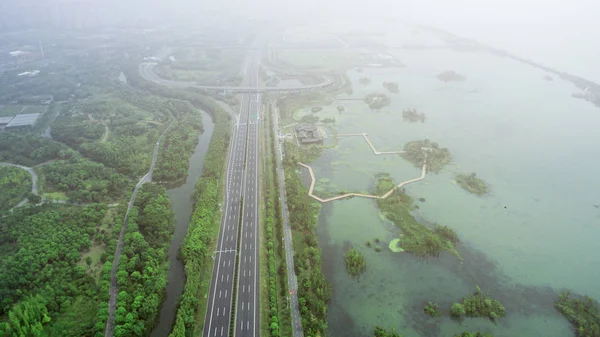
(366, 137)
(370, 196)
(34, 181)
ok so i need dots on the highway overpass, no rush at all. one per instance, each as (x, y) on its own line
(147, 71)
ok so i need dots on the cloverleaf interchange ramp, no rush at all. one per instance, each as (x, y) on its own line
(147, 72)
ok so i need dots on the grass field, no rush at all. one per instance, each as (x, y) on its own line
(331, 59)
(10, 110)
(40, 109)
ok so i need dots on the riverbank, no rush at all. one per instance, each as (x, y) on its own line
(182, 205)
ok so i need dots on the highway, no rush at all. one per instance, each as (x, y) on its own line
(238, 237)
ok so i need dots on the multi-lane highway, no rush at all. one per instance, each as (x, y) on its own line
(238, 238)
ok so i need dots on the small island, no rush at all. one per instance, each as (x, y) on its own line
(391, 87)
(415, 238)
(377, 101)
(418, 151)
(431, 309)
(478, 304)
(356, 264)
(474, 334)
(316, 109)
(364, 81)
(450, 76)
(472, 183)
(381, 332)
(411, 115)
(583, 313)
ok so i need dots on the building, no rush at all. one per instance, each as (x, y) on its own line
(22, 121)
(4, 121)
(308, 134)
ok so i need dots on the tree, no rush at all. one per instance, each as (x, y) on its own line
(457, 310)
(88, 261)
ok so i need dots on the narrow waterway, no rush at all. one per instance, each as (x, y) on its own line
(182, 205)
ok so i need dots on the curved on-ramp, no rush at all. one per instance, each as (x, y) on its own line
(146, 70)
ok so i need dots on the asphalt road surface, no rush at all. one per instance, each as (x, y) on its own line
(146, 70)
(238, 237)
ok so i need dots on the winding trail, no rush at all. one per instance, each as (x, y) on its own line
(112, 303)
(34, 181)
(370, 196)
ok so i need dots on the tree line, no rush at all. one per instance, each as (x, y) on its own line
(40, 279)
(15, 183)
(314, 291)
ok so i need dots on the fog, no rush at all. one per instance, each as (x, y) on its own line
(558, 33)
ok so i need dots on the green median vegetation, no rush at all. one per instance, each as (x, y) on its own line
(415, 238)
(478, 304)
(472, 183)
(356, 264)
(419, 151)
(313, 289)
(275, 313)
(15, 183)
(583, 313)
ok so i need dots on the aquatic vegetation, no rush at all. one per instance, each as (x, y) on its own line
(474, 334)
(364, 80)
(450, 76)
(381, 332)
(391, 87)
(472, 183)
(418, 151)
(377, 101)
(431, 309)
(416, 238)
(478, 304)
(356, 264)
(584, 314)
(316, 109)
(394, 246)
(411, 115)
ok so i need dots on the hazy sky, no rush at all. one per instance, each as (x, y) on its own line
(561, 33)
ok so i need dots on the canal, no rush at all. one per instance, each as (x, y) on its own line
(183, 205)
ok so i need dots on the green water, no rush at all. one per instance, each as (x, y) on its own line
(535, 234)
